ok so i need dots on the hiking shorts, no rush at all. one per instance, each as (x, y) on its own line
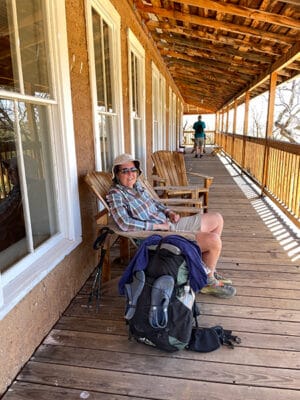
(199, 141)
(187, 224)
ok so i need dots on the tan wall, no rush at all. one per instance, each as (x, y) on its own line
(26, 325)
(23, 329)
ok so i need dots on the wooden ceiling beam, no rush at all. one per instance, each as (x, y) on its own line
(208, 93)
(174, 42)
(227, 26)
(210, 106)
(212, 65)
(292, 2)
(219, 39)
(283, 62)
(230, 65)
(207, 78)
(250, 13)
(216, 50)
(210, 74)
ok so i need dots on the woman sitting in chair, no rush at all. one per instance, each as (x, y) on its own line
(133, 208)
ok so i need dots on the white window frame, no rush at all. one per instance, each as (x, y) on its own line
(179, 122)
(172, 119)
(113, 19)
(18, 280)
(158, 110)
(135, 47)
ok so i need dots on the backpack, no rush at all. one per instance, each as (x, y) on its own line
(161, 310)
(160, 306)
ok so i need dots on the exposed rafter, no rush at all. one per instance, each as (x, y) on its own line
(215, 50)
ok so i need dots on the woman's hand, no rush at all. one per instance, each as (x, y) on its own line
(173, 217)
(161, 227)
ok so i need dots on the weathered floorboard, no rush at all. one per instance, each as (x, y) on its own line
(87, 354)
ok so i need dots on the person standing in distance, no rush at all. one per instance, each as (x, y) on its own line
(199, 127)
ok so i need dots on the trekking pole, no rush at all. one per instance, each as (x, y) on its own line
(96, 287)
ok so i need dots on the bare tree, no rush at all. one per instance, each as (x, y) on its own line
(287, 117)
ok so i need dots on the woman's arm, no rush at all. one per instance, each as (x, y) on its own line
(119, 212)
(119, 208)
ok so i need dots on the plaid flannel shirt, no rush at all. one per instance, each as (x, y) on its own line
(135, 209)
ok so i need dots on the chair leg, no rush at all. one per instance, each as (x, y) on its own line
(205, 202)
(106, 270)
(124, 250)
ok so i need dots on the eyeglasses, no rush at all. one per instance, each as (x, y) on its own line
(128, 170)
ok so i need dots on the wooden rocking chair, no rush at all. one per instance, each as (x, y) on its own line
(100, 183)
(170, 172)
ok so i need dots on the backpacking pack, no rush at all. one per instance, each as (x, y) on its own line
(161, 310)
(161, 305)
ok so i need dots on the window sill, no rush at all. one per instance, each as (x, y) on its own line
(15, 289)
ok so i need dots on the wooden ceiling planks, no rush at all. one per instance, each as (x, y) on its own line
(215, 50)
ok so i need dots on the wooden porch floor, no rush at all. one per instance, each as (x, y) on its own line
(87, 355)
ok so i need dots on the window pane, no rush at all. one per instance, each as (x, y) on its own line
(37, 186)
(32, 33)
(106, 129)
(98, 59)
(107, 55)
(31, 52)
(134, 85)
(38, 163)
(138, 140)
(9, 79)
(102, 62)
(12, 224)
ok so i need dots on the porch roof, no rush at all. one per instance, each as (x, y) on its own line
(216, 50)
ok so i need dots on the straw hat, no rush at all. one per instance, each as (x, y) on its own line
(123, 159)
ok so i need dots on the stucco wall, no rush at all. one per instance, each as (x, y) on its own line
(23, 329)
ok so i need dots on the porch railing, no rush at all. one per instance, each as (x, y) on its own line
(189, 136)
(273, 165)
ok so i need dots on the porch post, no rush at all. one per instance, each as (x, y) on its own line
(269, 128)
(246, 123)
(217, 129)
(227, 118)
(233, 128)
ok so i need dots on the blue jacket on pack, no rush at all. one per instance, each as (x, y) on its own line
(189, 249)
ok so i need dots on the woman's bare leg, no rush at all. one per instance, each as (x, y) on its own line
(212, 223)
(211, 246)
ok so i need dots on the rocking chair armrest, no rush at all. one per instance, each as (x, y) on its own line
(99, 216)
(186, 210)
(180, 201)
(200, 175)
(173, 190)
(184, 189)
(208, 180)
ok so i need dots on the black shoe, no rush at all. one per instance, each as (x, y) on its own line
(196, 155)
(201, 155)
